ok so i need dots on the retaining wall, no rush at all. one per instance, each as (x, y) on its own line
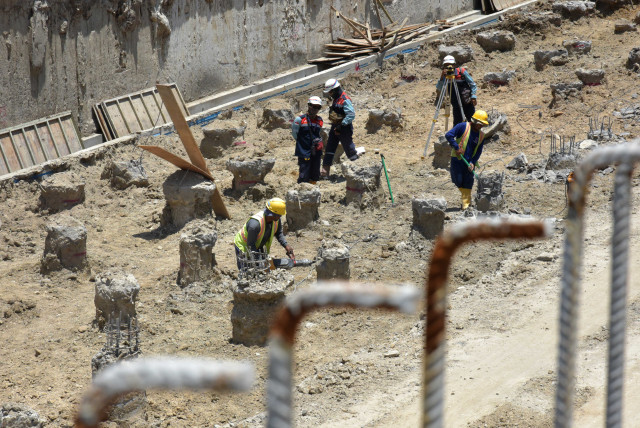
(61, 55)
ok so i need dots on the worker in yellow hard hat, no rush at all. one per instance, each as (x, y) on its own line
(466, 139)
(258, 232)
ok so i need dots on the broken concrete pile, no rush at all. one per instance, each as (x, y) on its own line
(116, 294)
(302, 202)
(363, 183)
(428, 216)
(61, 191)
(197, 259)
(188, 196)
(247, 173)
(123, 174)
(65, 246)
(219, 136)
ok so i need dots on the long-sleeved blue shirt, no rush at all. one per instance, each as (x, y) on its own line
(343, 105)
(456, 132)
(461, 73)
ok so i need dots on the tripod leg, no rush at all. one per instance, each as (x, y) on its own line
(435, 119)
(448, 105)
(464, 119)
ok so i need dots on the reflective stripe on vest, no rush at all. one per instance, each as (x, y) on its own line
(465, 138)
(241, 237)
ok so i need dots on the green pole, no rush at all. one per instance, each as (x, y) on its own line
(467, 163)
(387, 175)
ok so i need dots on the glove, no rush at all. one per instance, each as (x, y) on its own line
(289, 251)
(337, 129)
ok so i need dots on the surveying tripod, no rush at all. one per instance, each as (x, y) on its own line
(448, 88)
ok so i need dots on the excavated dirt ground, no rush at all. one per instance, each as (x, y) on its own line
(503, 297)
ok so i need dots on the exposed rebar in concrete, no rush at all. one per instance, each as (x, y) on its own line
(165, 373)
(396, 298)
(600, 129)
(445, 247)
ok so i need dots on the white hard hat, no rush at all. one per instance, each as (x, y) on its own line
(316, 101)
(449, 59)
(331, 84)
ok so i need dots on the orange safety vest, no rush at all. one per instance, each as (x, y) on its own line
(241, 237)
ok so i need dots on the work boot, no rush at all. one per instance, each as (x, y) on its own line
(466, 198)
(325, 171)
(313, 182)
(354, 157)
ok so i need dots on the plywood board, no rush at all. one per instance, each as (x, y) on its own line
(39, 141)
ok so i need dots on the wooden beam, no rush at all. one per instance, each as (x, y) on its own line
(385, 12)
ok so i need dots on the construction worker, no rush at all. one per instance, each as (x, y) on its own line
(466, 140)
(306, 131)
(258, 232)
(341, 115)
(466, 88)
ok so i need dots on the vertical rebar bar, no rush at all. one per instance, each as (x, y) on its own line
(443, 251)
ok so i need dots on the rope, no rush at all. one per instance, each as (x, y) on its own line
(619, 279)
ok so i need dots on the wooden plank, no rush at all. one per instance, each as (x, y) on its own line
(9, 153)
(20, 147)
(129, 115)
(4, 162)
(143, 115)
(36, 145)
(180, 123)
(47, 143)
(58, 138)
(155, 114)
(216, 199)
(103, 125)
(71, 134)
(117, 122)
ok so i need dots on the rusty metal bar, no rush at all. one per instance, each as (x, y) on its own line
(338, 294)
(166, 373)
(573, 252)
(443, 251)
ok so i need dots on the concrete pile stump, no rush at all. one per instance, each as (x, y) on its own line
(60, 192)
(498, 40)
(116, 294)
(462, 53)
(560, 161)
(519, 163)
(188, 196)
(498, 122)
(622, 26)
(554, 57)
(123, 174)
(428, 216)
(633, 61)
(499, 78)
(387, 117)
(197, 259)
(302, 202)
(591, 77)
(577, 47)
(363, 183)
(14, 415)
(247, 173)
(489, 194)
(574, 10)
(255, 303)
(219, 136)
(276, 118)
(566, 91)
(441, 153)
(333, 261)
(65, 246)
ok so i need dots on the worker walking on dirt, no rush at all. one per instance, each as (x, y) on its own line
(306, 130)
(341, 115)
(257, 233)
(466, 88)
(466, 140)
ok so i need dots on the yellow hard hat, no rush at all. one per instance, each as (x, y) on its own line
(277, 206)
(481, 116)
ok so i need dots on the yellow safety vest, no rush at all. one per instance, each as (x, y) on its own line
(465, 138)
(241, 237)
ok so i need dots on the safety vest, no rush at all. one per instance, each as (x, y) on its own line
(464, 138)
(338, 104)
(241, 237)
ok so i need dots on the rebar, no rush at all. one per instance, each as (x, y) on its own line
(165, 373)
(253, 264)
(443, 251)
(114, 332)
(330, 294)
(570, 284)
(597, 127)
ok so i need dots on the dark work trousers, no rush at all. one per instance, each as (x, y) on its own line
(460, 174)
(345, 138)
(309, 170)
(469, 110)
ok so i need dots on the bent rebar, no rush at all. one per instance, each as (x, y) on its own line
(167, 373)
(445, 247)
(626, 155)
(283, 330)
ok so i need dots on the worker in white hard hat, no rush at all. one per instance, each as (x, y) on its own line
(466, 140)
(258, 232)
(466, 88)
(341, 115)
(306, 130)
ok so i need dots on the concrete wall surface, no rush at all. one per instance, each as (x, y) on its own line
(58, 55)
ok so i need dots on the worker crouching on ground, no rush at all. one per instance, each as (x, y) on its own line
(466, 139)
(341, 115)
(258, 232)
(306, 131)
(466, 88)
